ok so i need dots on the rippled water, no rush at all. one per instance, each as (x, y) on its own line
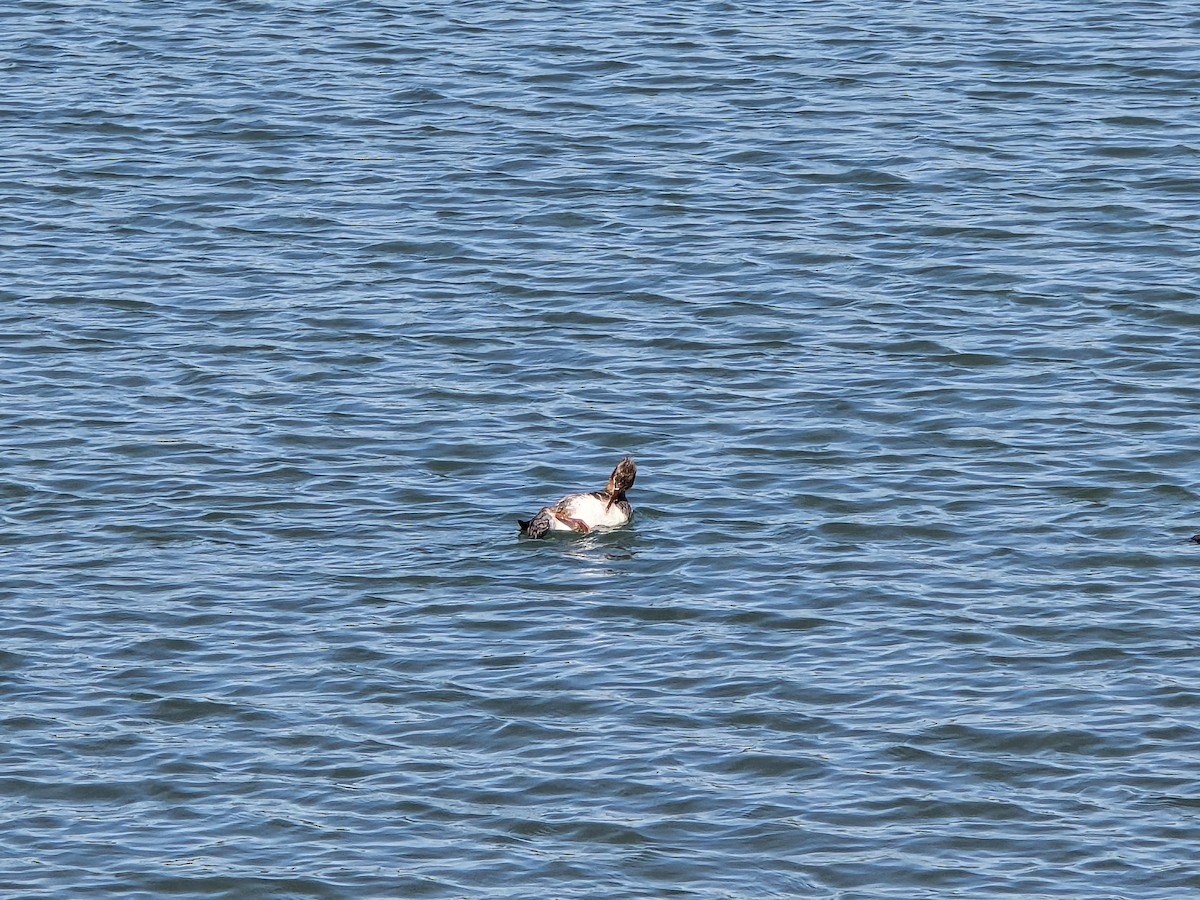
(896, 307)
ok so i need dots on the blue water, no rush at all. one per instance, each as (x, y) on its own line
(303, 306)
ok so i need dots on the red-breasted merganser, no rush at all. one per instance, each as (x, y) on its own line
(585, 512)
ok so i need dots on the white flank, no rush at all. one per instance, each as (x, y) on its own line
(590, 510)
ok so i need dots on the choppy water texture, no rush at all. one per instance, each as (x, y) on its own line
(895, 304)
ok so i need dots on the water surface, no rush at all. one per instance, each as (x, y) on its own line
(303, 306)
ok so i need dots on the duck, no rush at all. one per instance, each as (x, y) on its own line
(586, 512)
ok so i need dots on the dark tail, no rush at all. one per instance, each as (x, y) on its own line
(537, 526)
